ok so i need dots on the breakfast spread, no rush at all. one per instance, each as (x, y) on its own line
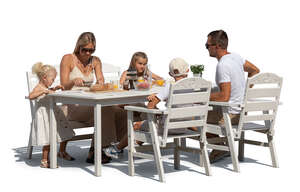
(102, 87)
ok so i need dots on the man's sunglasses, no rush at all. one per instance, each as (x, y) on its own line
(88, 50)
(208, 45)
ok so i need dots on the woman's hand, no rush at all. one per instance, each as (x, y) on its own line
(78, 82)
(99, 82)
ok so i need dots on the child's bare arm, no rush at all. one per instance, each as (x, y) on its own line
(156, 77)
(37, 91)
(153, 101)
(57, 88)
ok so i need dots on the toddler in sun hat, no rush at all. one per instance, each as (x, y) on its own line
(178, 69)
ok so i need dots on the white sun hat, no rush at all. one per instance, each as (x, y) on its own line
(180, 66)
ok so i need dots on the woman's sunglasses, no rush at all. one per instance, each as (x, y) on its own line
(88, 50)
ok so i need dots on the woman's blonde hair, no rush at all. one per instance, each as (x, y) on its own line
(84, 39)
(135, 56)
(41, 70)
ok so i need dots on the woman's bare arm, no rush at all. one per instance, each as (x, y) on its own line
(98, 70)
(65, 69)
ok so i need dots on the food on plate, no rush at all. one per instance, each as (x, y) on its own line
(102, 87)
(160, 82)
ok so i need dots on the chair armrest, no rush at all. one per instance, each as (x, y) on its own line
(225, 104)
(144, 110)
(280, 102)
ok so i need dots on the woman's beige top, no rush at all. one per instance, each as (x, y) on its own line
(76, 73)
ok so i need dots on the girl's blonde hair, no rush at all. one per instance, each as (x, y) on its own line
(135, 56)
(84, 39)
(41, 70)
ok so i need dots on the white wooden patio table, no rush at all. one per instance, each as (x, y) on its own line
(97, 100)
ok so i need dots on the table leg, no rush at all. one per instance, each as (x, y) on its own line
(53, 144)
(97, 144)
(230, 137)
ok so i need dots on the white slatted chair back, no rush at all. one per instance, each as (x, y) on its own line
(187, 105)
(111, 72)
(32, 81)
(260, 102)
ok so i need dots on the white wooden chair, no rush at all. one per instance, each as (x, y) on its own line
(110, 72)
(259, 110)
(260, 105)
(187, 106)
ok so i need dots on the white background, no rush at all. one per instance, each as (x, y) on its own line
(264, 32)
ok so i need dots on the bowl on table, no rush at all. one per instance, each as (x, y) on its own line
(142, 86)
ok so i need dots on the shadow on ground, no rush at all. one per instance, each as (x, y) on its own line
(143, 167)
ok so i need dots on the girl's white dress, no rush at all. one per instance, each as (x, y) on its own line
(40, 132)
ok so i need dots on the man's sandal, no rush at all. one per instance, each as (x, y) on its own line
(140, 143)
(217, 155)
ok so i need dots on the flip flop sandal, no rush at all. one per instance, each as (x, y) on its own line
(45, 164)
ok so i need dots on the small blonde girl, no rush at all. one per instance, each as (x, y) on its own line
(46, 75)
(40, 135)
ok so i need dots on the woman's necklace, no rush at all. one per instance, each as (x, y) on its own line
(85, 68)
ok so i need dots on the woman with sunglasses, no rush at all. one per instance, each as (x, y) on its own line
(79, 69)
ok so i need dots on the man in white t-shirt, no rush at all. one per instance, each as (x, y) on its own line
(230, 78)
